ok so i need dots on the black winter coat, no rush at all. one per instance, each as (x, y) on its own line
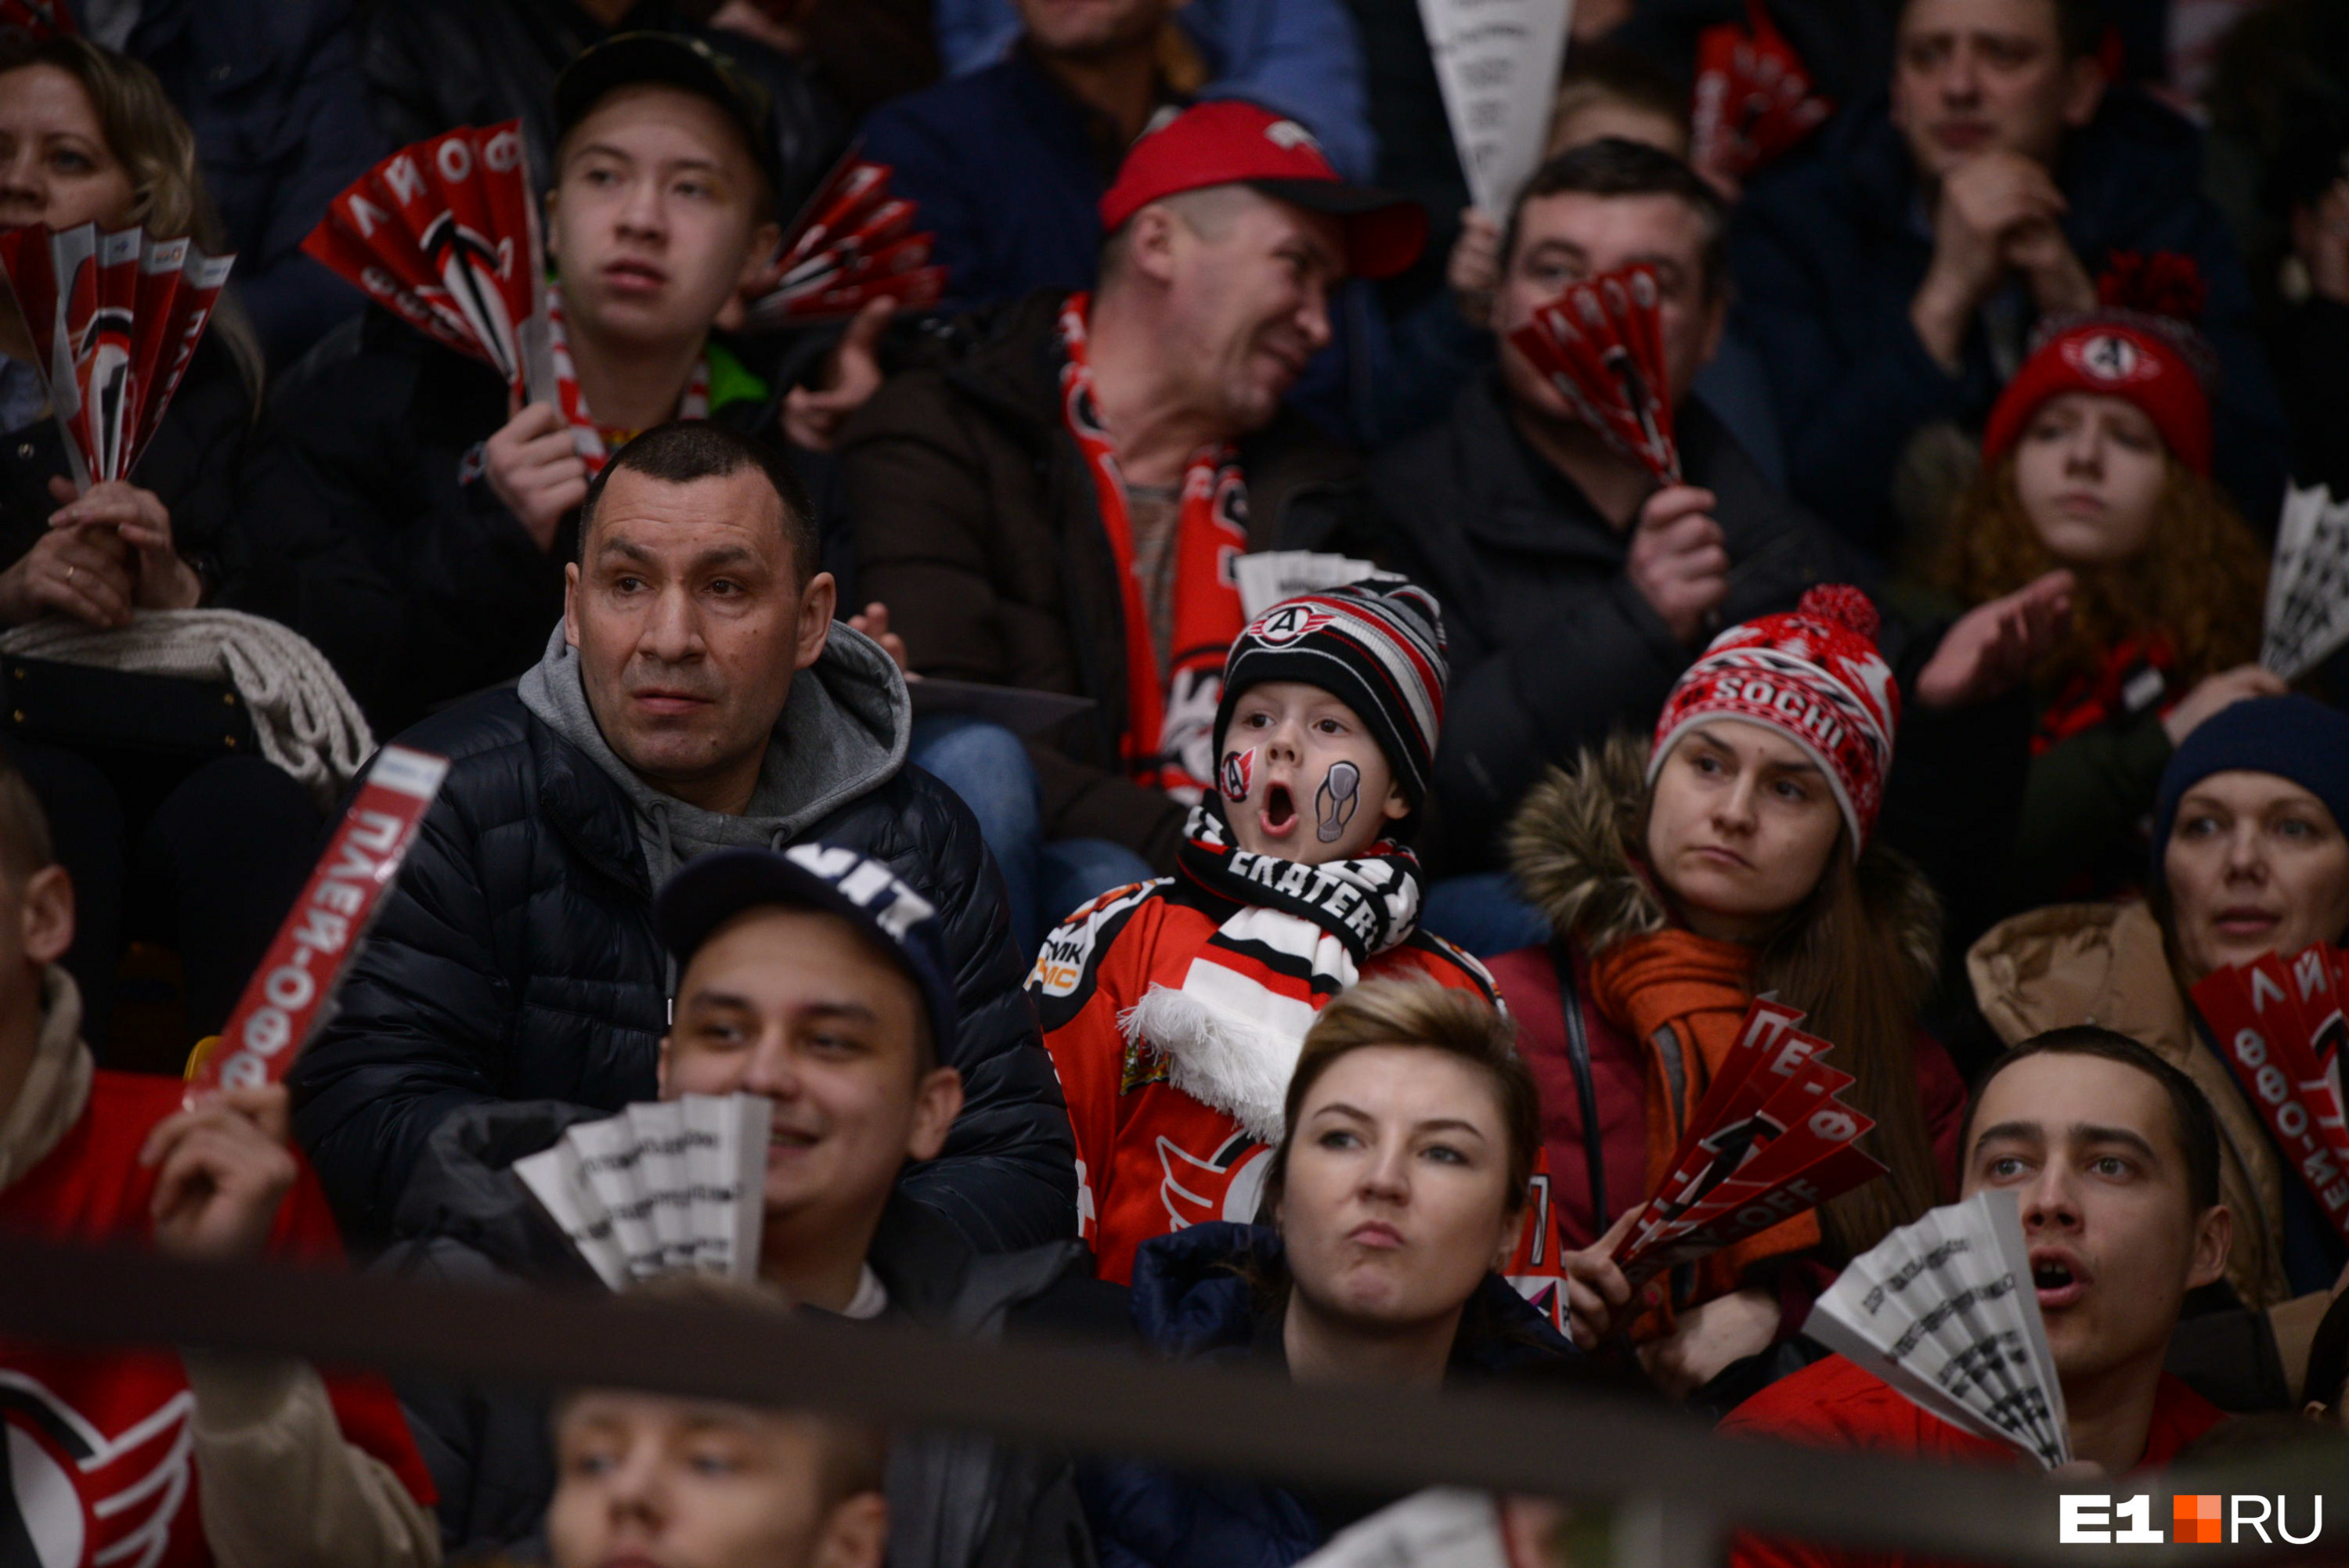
(515, 959)
(1828, 250)
(954, 1501)
(300, 570)
(1552, 648)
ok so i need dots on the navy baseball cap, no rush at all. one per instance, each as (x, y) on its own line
(714, 888)
(670, 60)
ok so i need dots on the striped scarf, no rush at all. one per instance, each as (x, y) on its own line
(597, 442)
(1232, 1031)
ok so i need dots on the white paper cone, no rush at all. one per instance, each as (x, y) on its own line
(1497, 62)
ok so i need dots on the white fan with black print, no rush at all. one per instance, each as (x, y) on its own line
(1946, 1312)
(2308, 583)
(666, 1187)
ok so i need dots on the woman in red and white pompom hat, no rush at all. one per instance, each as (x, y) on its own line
(1731, 854)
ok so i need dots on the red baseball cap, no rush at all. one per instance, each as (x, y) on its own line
(1230, 142)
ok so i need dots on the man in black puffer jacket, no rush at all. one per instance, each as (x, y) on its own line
(516, 959)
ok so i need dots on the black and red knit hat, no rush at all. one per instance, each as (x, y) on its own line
(1377, 646)
(1814, 675)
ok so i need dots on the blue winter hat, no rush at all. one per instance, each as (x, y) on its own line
(2291, 736)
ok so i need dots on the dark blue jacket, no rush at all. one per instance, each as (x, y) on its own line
(1195, 1297)
(274, 95)
(1007, 170)
(1828, 251)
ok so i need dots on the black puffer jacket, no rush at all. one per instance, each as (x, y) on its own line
(960, 1500)
(515, 959)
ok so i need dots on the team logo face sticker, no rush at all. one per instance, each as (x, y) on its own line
(1237, 776)
(1335, 801)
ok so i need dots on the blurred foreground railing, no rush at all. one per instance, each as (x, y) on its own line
(1675, 1489)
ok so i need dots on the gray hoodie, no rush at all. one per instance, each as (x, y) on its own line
(842, 733)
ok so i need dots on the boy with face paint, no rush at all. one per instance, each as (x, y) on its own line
(1174, 1009)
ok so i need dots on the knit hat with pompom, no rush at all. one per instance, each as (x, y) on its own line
(1814, 675)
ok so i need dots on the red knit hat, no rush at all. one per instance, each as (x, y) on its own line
(1814, 675)
(2141, 346)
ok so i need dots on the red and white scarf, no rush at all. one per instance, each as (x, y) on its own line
(1232, 1029)
(1169, 740)
(597, 442)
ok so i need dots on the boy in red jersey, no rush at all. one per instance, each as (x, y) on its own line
(2112, 1154)
(145, 1456)
(1174, 1009)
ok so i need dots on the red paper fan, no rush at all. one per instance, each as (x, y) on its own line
(445, 234)
(1754, 99)
(1769, 1141)
(854, 243)
(2278, 1024)
(114, 317)
(34, 21)
(1601, 345)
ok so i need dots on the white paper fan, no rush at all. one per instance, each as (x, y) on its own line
(666, 1187)
(1944, 1311)
(2308, 583)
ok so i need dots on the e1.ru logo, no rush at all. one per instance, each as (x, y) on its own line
(2086, 1519)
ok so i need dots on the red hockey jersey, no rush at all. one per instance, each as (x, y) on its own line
(100, 1462)
(1172, 1123)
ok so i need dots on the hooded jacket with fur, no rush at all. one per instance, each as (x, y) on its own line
(1571, 843)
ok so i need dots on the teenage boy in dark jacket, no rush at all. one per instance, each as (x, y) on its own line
(817, 979)
(662, 208)
(1890, 282)
(1575, 591)
(696, 695)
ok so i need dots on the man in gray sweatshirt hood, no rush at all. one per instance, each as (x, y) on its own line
(697, 695)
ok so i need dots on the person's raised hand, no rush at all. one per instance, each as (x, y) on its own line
(161, 581)
(222, 1171)
(1474, 269)
(852, 374)
(1705, 1339)
(873, 622)
(1983, 204)
(88, 574)
(2215, 693)
(1596, 1290)
(1991, 649)
(1678, 561)
(536, 472)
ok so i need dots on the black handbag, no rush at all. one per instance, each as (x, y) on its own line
(85, 707)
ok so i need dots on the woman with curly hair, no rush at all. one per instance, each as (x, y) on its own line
(2096, 460)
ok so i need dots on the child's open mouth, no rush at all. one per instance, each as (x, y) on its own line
(1279, 812)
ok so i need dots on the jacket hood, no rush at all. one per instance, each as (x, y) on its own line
(463, 1188)
(1195, 1292)
(844, 732)
(1571, 843)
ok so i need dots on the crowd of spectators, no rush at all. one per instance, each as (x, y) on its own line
(881, 718)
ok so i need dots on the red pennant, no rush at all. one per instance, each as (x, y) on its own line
(852, 244)
(1601, 345)
(445, 234)
(1753, 100)
(115, 318)
(2277, 1023)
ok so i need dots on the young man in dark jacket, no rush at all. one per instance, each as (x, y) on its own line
(816, 979)
(662, 208)
(696, 695)
(1575, 590)
(1890, 281)
(1056, 510)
